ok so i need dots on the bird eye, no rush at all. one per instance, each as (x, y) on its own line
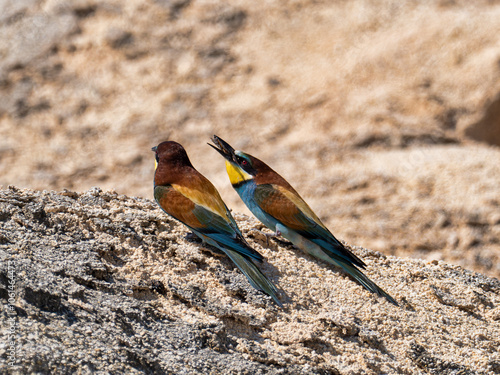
(241, 161)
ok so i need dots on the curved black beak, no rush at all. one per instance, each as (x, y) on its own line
(223, 148)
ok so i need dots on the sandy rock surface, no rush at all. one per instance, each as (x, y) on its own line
(105, 283)
(384, 115)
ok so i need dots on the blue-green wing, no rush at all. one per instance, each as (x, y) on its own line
(290, 209)
(203, 220)
(223, 232)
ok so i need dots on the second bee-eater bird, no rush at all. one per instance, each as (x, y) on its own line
(280, 208)
(186, 195)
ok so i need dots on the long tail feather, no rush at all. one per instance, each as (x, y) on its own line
(366, 282)
(243, 261)
(334, 258)
(254, 275)
(359, 276)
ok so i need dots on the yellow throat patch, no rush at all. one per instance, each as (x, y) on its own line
(236, 174)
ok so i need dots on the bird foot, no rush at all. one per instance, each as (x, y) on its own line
(191, 237)
(268, 235)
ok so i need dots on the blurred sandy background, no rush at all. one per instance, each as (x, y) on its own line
(384, 115)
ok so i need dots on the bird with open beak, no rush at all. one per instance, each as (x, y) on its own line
(280, 208)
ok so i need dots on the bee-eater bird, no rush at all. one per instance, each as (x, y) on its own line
(186, 195)
(280, 208)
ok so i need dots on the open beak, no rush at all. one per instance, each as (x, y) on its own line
(223, 148)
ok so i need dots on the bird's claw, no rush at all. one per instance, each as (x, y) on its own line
(268, 235)
(191, 237)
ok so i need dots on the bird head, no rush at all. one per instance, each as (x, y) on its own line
(240, 167)
(169, 157)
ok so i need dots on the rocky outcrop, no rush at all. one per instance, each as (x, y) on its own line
(382, 114)
(98, 282)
